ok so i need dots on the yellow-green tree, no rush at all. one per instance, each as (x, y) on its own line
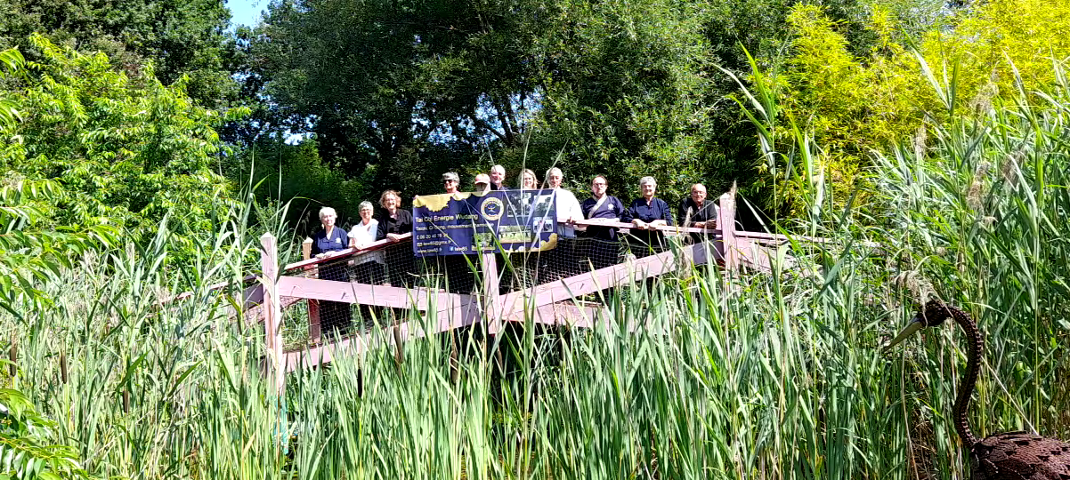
(854, 105)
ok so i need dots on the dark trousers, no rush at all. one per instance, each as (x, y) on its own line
(335, 315)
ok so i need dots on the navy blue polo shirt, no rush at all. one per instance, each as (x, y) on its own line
(656, 210)
(338, 240)
(611, 208)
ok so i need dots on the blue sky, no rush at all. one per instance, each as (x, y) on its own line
(246, 12)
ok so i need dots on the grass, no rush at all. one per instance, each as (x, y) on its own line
(735, 376)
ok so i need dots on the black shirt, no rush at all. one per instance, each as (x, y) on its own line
(689, 212)
(388, 224)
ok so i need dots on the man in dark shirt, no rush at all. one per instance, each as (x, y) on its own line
(696, 211)
(603, 249)
(604, 206)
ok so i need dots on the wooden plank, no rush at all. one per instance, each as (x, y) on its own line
(491, 296)
(778, 238)
(670, 230)
(727, 222)
(353, 292)
(586, 283)
(565, 314)
(211, 288)
(760, 257)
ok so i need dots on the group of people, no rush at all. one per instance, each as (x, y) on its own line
(645, 214)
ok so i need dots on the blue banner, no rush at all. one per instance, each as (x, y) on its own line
(484, 222)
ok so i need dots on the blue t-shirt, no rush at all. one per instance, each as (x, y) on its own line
(338, 240)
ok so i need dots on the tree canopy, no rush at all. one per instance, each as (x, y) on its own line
(122, 150)
(178, 37)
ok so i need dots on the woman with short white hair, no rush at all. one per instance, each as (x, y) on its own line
(326, 242)
(330, 238)
(648, 213)
(363, 233)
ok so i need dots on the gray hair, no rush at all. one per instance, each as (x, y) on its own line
(498, 167)
(365, 204)
(555, 170)
(646, 180)
(327, 211)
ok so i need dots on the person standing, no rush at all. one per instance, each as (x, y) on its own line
(603, 249)
(328, 241)
(648, 213)
(369, 265)
(528, 180)
(696, 211)
(603, 206)
(482, 183)
(568, 208)
(394, 223)
(497, 178)
(451, 182)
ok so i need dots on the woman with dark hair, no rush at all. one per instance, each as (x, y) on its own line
(327, 242)
(394, 223)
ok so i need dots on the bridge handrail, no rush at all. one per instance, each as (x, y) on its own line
(349, 252)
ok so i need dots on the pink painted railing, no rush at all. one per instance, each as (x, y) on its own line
(551, 303)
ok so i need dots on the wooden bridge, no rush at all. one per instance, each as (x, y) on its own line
(488, 293)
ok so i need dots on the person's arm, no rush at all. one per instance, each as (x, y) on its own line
(633, 212)
(316, 245)
(662, 214)
(380, 230)
(402, 226)
(345, 238)
(577, 212)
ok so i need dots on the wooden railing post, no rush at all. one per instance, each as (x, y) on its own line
(269, 264)
(492, 305)
(727, 221)
(314, 332)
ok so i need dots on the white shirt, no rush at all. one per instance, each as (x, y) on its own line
(363, 235)
(567, 208)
